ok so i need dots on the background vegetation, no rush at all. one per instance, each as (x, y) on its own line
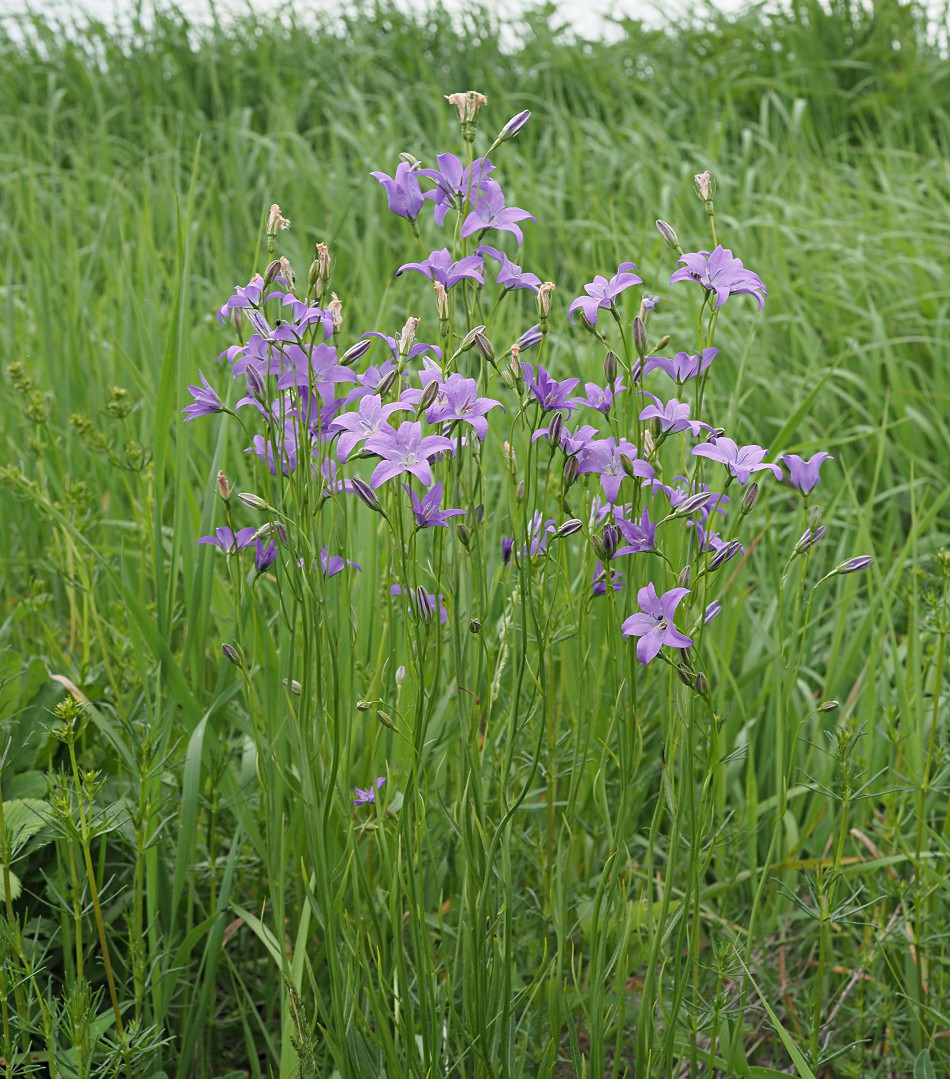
(137, 168)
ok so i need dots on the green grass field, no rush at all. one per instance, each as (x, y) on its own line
(578, 865)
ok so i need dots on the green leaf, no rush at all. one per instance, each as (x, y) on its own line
(801, 1064)
(923, 1066)
(23, 818)
(15, 887)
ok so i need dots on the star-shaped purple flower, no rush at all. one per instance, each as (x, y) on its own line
(682, 367)
(802, 474)
(455, 183)
(510, 275)
(402, 190)
(491, 213)
(654, 624)
(601, 293)
(368, 796)
(600, 398)
(640, 535)
(426, 510)
(369, 419)
(228, 540)
(673, 416)
(741, 461)
(720, 273)
(206, 401)
(551, 395)
(334, 564)
(440, 267)
(460, 401)
(405, 450)
(605, 457)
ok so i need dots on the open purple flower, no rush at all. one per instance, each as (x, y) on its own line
(370, 419)
(228, 540)
(264, 557)
(601, 293)
(426, 510)
(682, 367)
(334, 564)
(248, 296)
(402, 190)
(720, 273)
(600, 398)
(672, 417)
(802, 474)
(551, 395)
(640, 535)
(510, 275)
(206, 401)
(460, 401)
(440, 267)
(599, 581)
(654, 624)
(741, 461)
(368, 796)
(405, 450)
(491, 213)
(605, 458)
(455, 184)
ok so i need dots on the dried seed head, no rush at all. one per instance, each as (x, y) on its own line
(287, 272)
(441, 300)
(224, 487)
(704, 185)
(544, 300)
(275, 222)
(468, 103)
(407, 336)
(475, 626)
(335, 307)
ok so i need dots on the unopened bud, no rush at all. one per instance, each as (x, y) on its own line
(485, 347)
(571, 472)
(385, 384)
(255, 384)
(730, 550)
(749, 499)
(568, 528)
(385, 718)
(814, 516)
(828, 706)
(252, 501)
(366, 495)
(669, 236)
(639, 337)
(662, 343)
(230, 654)
(400, 675)
(293, 685)
(224, 487)
(854, 565)
(355, 352)
(519, 492)
(686, 676)
(692, 504)
(423, 604)
(475, 626)
(701, 685)
(555, 430)
(808, 539)
(479, 513)
(684, 577)
(611, 365)
(363, 706)
(429, 394)
(464, 534)
(514, 125)
(468, 341)
(271, 271)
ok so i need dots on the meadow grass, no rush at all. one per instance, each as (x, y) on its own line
(559, 877)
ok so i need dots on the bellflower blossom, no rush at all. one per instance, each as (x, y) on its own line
(599, 581)
(249, 295)
(405, 450)
(682, 367)
(605, 458)
(551, 395)
(440, 267)
(510, 275)
(427, 510)
(803, 475)
(741, 461)
(720, 273)
(491, 213)
(368, 796)
(230, 541)
(402, 191)
(455, 184)
(460, 401)
(370, 419)
(672, 417)
(600, 398)
(601, 293)
(334, 564)
(531, 338)
(640, 535)
(654, 624)
(206, 401)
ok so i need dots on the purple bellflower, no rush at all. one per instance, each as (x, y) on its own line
(402, 191)
(600, 398)
(440, 267)
(460, 401)
(427, 510)
(264, 557)
(228, 540)
(720, 273)
(491, 213)
(640, 535)
(605, 458)
(334, 564)
(802, 474)
(741, 461)
(405, 450)
(551, 395)
(530, 338)
(248, 296)
(206, 401)
(510, 275)
(370, 419)
(455, 184)
(368, 796)
(599, 581)
(682, 367)
(601, 293)
(654, 624)
(672, 417)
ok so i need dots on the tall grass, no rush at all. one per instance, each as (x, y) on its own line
(520, 926)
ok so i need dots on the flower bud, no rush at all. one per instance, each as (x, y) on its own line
(255, 384)
(519, 492)
(507, 546)
(611, 364)
(749, 499)
(684, 577)
(230, 654)
(271, 271)
(514, 125)
(854, 565)
(366, 495)
(669, 236)
(685, 675)
(701, 685)
(485, 347)
(253, 502)
(429, 394)
(224, 487)
(570, 472)
(555, 430)
(400, 675)
(423, 604)
(808, 539)
(730, 550)
(464, 534)
(386, 384)
(662, 343)
(828, 706)
(293, 685)
(814, 516)
(468, 341)
(475, 626)
(568, 528)
(479, 513)
(692, 504)
(355, 352)
(611, 540)
(639, 337)
(363, 706)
